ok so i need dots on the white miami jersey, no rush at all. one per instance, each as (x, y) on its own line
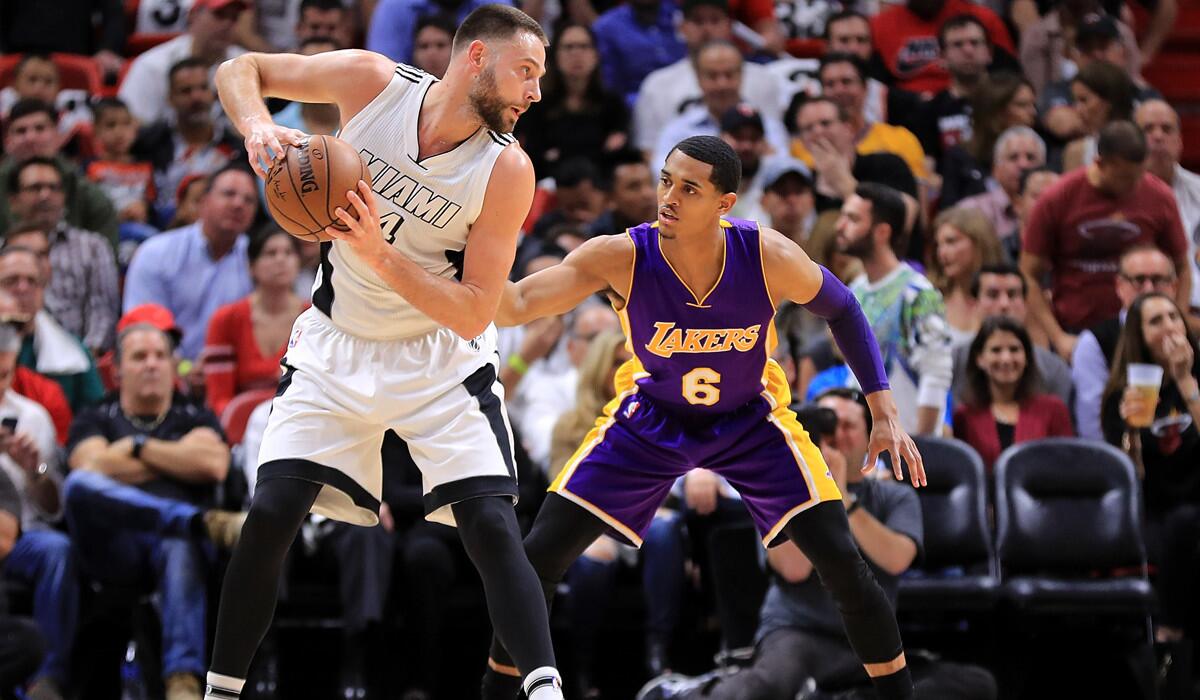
(426, 209)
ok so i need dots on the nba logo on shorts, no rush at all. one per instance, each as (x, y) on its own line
(473, 343)
(295, 338)
(629, 410)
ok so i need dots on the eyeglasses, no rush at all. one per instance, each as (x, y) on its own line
(39, 186)
(1142, 280)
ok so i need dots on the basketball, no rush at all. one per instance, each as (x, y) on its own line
(310, 182)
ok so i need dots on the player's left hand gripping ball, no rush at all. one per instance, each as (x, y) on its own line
(363, 233)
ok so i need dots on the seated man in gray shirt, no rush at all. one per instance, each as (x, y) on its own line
(1000, 291)
(801, 641)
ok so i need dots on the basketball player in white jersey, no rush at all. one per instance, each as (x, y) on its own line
(400, 334)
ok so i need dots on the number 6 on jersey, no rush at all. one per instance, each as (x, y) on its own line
(700, 386)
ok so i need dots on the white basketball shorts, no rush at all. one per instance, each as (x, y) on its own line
(340, 393)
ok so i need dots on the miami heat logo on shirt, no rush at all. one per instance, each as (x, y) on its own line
(669, 340)
(916, 53)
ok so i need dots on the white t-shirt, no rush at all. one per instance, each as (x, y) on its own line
(670, 91)
(145, 89)
(35, 421)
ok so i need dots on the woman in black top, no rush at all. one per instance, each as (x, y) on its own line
(1002, 101)
(1167, 454)
(576, 116)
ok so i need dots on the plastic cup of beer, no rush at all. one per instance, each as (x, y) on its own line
(1146, 380)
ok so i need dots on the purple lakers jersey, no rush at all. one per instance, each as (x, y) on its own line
(700, 351)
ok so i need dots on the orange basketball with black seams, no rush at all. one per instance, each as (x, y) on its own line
(307, 185)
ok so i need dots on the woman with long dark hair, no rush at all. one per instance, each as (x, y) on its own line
(1007, 406)
(247, 339)
(1003, 100)
(1167, 451)
(1103, 93)
(576, 116)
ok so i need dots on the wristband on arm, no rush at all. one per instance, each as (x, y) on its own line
(836, 304)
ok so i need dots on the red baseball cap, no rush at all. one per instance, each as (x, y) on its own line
(156, 315)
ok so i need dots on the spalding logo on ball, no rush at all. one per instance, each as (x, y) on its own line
(310, 182)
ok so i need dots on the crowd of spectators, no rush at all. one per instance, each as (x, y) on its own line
(997, 182)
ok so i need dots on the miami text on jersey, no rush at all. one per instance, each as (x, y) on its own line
(408, 194)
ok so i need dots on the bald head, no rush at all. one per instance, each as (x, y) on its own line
(1160, 122)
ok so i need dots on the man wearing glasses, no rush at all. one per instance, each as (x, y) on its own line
(78, 266)
(1141, 269)
(1081, 225)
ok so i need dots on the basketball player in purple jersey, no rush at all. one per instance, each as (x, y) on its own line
(697, 293)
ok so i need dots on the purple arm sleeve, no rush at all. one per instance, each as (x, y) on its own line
(835, 303)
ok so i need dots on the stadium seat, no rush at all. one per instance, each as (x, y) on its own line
(238, 410)
(106, 366)
(543, 201)
(806, 48)
(1068, 534)
(1068, 515)
(76, 72)
(958, 571)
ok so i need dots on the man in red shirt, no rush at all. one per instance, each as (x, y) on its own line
(906, 37)
(1081, 225)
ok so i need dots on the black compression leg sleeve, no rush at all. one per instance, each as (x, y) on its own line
(489, 531)
(823, 534)
(561, 532)
(252, 580)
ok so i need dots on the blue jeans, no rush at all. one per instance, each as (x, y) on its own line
(127, 537)
(45, 561)
(663, 555)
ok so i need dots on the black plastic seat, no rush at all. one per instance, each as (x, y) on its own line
(958, 569)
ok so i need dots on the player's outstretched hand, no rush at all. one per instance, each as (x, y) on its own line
(888, 436)
(265, 141)
(363, 232)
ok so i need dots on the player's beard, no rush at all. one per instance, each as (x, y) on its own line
(487, 103)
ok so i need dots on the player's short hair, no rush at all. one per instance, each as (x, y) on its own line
(726, 167)
(1004, 269)
(1123, 140)
(185, 64)
(887, 207)
(492, 22)
(958, 22)
(835, 57)
(26, 107)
